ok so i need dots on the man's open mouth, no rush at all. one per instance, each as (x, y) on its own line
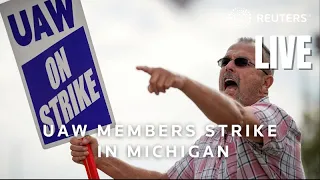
(230, 83)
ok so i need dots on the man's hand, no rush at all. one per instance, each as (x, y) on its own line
(112, 166)
(79, 150)
(162, 79)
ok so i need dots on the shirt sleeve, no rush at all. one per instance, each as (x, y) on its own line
(287, 133)
(184, 168)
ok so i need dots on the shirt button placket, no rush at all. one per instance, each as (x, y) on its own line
(222, 143)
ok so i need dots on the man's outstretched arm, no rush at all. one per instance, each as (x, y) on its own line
(112, 166)
(218, 107)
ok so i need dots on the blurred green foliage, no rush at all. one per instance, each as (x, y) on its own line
(311, 138)
(311, 145)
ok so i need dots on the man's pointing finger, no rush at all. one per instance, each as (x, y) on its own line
(145, 69)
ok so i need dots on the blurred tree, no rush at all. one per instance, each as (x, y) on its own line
(318, 43)
(311, 145)
(311, 142)
(182, 3)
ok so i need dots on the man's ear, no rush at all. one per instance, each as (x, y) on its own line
(267, 82)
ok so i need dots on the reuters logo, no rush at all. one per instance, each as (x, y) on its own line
(239, 17)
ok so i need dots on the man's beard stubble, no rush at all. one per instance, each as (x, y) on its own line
(249, 95)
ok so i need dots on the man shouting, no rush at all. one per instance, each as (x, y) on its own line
(242, 100)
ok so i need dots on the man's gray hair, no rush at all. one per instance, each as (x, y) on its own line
(265, 51)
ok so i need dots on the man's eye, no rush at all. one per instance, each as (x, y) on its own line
(225, 62)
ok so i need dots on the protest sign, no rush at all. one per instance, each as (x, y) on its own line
(58, 66)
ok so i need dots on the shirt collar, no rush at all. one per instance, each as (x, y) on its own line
(264, 99)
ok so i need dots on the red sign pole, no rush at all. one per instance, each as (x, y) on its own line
(90, 165)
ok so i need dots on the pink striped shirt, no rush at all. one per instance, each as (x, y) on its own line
(277, 158)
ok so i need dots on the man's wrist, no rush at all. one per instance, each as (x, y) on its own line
(103, 160)
(99, 160)
(185, 81)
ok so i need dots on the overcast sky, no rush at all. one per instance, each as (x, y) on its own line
(154, 33)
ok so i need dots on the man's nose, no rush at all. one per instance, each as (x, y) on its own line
(230, 66)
